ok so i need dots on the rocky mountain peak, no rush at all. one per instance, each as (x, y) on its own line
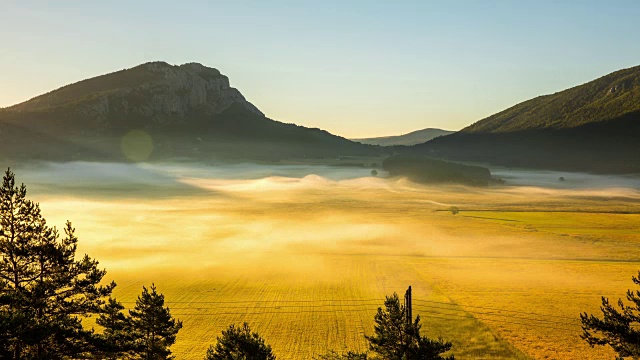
(157, 92)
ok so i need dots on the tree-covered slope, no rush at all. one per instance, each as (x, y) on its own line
(606, 98)
(593, 127)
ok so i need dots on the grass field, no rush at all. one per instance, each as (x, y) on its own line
(307, 261)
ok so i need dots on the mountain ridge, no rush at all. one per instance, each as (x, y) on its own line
(190, 111)
(591, 127)
(408, 139)
(604, 98)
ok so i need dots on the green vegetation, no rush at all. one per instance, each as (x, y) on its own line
(153, 328)
(618, 329)
(239, 342)
(397, 337)
(44, 290)
(427, 170)
(45, 293)
(116, 338)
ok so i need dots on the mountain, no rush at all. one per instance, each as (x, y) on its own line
(593, 127)
(412, 138)
(187, 111)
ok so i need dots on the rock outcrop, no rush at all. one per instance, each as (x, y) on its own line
(157, 92)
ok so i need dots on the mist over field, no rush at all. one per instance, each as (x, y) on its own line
(572, 180)
(130, 177)
(148, 179)
(204, 211)
(263, 236)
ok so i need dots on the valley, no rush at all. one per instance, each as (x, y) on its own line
(307, 256)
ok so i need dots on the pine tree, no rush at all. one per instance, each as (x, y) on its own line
(396, 338)
(44, 290)
(618, 329)
(153, 327)
(117, 341)
(239, 343)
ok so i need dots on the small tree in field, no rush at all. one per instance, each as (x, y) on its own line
(619, 329)
(153, 328)
(396, 338)
(44, 289)
(239, 343)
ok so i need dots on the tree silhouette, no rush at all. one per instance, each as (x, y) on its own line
(116, 335)
(239, 343)
(349, 355)
(618, 329)
(44, 290)
(153, 328)
(397, 338)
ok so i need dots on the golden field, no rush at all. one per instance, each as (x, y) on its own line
(306, 261)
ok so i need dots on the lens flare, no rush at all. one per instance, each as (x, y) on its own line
(137, 145)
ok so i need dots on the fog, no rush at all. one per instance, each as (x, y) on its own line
(138, 215)
(248, 232)
(165, 179)
(144, 175)
(572, 180)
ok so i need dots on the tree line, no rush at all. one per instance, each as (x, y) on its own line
(46, 291)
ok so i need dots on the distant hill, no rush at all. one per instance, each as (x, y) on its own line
(593, 127)
(188, 111)
(412, 138)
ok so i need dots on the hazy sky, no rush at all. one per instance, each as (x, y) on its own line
(355, 68)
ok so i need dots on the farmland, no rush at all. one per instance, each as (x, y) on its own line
(306, 260)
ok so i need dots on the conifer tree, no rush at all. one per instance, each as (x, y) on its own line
(240, 343)
(619, 329)
(117, 341)
(153, 327)
(396, 338)
(44, 290)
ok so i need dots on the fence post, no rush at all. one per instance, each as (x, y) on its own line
(407, 306)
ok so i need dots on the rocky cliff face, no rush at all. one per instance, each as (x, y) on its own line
(156, 92)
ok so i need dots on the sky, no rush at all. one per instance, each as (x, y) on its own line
(354, 68)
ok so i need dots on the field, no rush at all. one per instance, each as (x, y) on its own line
(307, 260)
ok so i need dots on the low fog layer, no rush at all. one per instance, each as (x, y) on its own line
(230, 208)
(565, 180)
(127, 176)
(94, 175)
